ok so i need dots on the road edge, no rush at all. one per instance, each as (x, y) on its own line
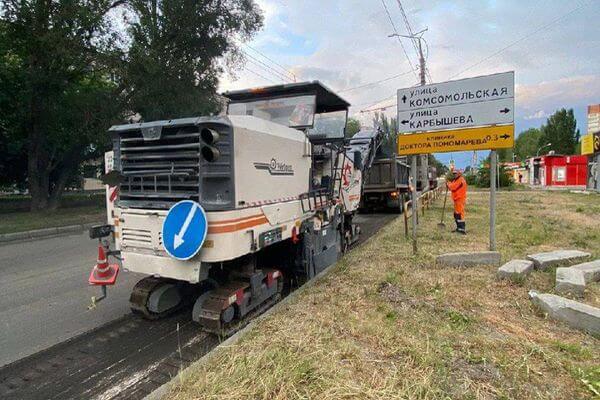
(45, 233)
(161, 391)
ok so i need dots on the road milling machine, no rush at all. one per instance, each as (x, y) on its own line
(275, 180)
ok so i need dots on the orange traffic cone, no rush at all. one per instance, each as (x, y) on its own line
(103, 273)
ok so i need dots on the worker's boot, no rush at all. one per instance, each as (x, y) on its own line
(456, 219)
(462, 227)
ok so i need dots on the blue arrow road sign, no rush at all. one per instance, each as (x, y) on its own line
(184, 230)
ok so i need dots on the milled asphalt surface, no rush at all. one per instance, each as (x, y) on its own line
(107, 353)
(44, 294)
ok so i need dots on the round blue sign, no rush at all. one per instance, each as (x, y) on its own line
(184, 230)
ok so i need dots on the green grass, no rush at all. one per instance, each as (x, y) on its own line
(386, 324)
(26, 220)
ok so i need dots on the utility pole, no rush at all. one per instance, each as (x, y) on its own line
(424, 158)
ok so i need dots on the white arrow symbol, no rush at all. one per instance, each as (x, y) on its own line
(178, 239)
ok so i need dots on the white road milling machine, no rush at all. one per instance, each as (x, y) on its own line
(276, 181)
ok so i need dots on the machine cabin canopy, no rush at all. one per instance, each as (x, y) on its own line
(308, 105)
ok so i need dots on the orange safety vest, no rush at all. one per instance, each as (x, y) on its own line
(458, 187)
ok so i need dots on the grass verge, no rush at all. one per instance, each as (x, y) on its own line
(26, 220)
(389, 325)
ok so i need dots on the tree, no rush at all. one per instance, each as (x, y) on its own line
(54, 51)
(352, 127)
(440, 167)
(65, 76)
(526, 144)
(13, 163)
(483, 176)
(505, 155)
(561, 131)
(176, 53)
(390, 131)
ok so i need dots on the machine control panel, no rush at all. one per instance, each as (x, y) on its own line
(269, 237)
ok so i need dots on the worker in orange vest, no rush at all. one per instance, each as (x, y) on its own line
(458, 186)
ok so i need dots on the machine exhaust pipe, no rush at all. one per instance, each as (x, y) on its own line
(209, 136)
(210, 153)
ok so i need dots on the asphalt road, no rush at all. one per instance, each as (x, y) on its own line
(107, 353)
(44, 294)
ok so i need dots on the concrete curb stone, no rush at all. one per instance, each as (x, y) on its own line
(590, 270)
(569, 280)
(515, 268)
(577, 315)
(469, 259)
(549, 259)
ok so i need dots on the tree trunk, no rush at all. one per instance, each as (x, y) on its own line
(37, 163)
(59, 186)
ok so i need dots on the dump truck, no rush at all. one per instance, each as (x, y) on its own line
(386, 185)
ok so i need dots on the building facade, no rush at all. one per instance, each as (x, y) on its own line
(555, 170)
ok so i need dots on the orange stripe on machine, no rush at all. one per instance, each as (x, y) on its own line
(244, 224)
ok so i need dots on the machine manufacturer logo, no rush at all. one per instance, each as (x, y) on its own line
(275, 168)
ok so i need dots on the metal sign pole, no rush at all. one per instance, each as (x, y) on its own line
(413, 164)
(414, 202)
(493, 163)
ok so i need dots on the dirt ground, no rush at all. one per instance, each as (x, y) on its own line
(385, 324)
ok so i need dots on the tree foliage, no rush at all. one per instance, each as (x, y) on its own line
(177, 53)
(483, 176)
(440, 167)
(352, 127)
(66, 75)
(561, 131)
(389, 126)
(59, 96)
(526, 144)
(505, 155)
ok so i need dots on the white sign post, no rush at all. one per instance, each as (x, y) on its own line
(466, 114)
(465, 103)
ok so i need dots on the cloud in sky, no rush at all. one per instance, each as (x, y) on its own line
(536, 115)
(345, 43)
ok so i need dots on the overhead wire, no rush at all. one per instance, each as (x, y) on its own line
(387, 11)
(412, 68)
(374, 83)
(259, 75)
(267, 68)
(411, 33)
(539, 29)
(281, 67)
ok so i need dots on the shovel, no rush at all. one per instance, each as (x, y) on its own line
(442, 225)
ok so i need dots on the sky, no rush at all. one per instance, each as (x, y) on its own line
(552, 45)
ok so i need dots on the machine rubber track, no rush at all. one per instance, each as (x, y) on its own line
(232, 327)
(138, 300)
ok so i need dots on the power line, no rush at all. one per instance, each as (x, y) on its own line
(398, 37)
(375, 82)
(284, 69)
(408, 27)
(266, 67)
(373, 103)
(260, 75)
(539, 29)
(411, 33)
